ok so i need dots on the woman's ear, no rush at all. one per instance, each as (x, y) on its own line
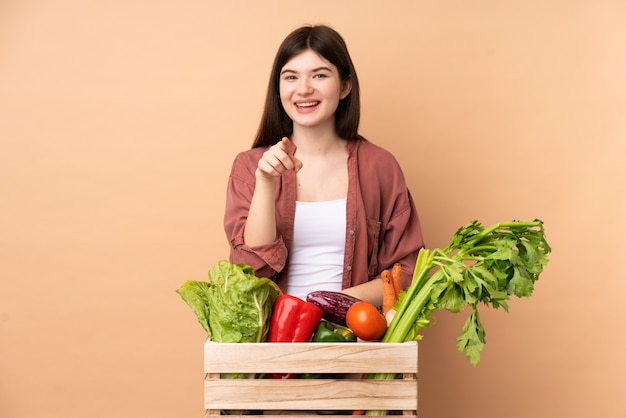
(346, 87)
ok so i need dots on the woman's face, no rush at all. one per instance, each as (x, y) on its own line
(310, 90)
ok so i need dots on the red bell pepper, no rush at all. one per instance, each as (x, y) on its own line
(293, 320)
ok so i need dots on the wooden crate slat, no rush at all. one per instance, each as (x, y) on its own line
(345, 391)
(297, 414)
(311, 394)
(310, 357)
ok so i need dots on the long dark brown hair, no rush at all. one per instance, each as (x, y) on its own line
(275, 123)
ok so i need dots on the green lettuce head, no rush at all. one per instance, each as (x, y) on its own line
(235, 305)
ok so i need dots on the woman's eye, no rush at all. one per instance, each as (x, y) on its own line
(319, 76)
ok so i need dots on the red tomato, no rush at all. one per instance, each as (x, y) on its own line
(365, 321)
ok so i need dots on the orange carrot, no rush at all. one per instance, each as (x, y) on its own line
(389, 293)
(396, 278)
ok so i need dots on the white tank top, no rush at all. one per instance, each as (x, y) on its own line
(319, 239)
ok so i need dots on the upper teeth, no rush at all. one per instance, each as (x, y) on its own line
(307, 104)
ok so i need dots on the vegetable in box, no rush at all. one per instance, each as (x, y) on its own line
(234, 305)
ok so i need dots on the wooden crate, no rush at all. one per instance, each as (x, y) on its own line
(345, 392)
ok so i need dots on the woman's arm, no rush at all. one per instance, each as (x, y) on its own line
(388, 201)
(266, 259)
(371, 291)
(260, 226)
(270, 255)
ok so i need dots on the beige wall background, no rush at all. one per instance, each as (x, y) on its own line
(119, 120)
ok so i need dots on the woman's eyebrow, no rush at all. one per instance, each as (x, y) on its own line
(321, 69)
(314, 70)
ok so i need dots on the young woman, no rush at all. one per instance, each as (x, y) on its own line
(314, 205)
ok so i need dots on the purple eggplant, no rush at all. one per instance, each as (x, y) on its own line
(334, 305)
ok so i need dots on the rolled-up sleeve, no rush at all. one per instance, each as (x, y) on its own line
(402, 239)
(267, 259)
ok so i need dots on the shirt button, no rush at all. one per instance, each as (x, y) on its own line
(348, 268)
(352, 232)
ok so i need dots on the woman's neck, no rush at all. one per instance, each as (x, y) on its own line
(317, 141)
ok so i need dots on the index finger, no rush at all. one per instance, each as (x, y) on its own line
(286, 147)
(285, 144)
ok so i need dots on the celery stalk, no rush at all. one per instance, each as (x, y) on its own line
(479, 265)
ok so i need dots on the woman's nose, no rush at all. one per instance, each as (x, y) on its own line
(305, 86)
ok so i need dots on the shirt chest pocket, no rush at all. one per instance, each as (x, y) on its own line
(373, 246)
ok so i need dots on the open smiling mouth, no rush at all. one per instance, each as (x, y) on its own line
(307, 104)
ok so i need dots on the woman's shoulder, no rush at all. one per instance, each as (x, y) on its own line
(250, 154)
(374, 155)
(245, 162)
